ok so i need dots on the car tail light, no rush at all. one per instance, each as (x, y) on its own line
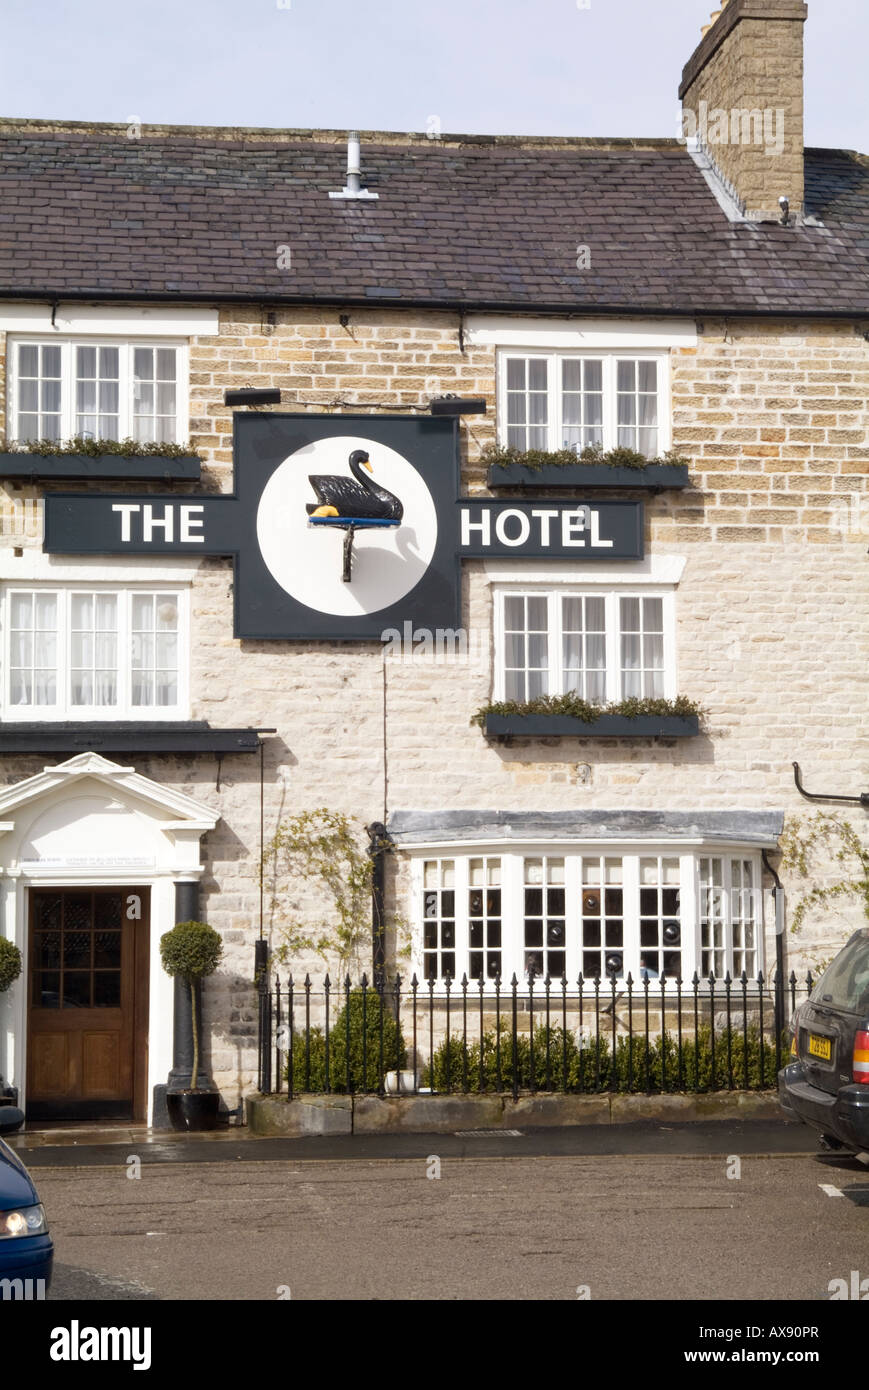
(860, 1064)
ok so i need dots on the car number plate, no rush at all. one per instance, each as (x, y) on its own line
(820, 1047)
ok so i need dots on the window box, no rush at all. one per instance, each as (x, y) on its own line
(501, 726)
(655, 477)
(100, 467)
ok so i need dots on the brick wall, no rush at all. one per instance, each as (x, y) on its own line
(772, 634)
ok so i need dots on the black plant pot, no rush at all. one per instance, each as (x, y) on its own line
(193, 1110)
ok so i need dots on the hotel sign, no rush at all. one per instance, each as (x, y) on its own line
(343, 526)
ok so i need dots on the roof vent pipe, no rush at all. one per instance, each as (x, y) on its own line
(353, 188)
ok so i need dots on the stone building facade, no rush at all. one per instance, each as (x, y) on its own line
(750, 600)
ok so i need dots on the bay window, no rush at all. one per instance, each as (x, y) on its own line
(561, 400)
(601, 912)
(94, 652)
(603, 646)
(101, 389)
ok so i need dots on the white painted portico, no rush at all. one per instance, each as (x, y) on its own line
(90, 821)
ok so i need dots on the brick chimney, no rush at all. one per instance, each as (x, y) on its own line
(742, 97)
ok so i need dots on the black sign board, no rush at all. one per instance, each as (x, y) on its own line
(343, 526)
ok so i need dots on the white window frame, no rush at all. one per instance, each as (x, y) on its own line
(513, 856)
(554, 595)
(126, 346)
(64, 710)
(609, 358)
(728, 915)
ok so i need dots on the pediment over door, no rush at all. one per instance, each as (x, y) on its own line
(91, 812)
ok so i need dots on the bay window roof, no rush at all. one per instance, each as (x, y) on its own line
(760, 829)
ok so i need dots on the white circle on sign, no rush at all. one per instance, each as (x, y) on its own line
(307, 561)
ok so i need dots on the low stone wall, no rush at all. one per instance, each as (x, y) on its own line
(269, 1115)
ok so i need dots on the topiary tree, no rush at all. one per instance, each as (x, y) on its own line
(10, 963)
(189, 952)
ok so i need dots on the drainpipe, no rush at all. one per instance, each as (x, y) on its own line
(379, 841)
(778, 897)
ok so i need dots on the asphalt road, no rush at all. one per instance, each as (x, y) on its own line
(660, 1219)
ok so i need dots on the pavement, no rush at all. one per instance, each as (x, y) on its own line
(436, 1226)
(100, 1146)
(717, 1211)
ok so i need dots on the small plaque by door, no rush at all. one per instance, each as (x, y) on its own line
(87, 1004)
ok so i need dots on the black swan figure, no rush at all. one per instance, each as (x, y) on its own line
(339, 496)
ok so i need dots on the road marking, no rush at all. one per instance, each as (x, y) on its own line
(830, 1190)
(487, 1133)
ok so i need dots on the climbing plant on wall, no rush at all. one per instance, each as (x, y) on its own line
(320, 873)
(831, 858)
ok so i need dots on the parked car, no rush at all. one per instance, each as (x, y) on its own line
(826, 1085)
(26, 1248)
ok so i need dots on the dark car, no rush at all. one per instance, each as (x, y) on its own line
(26, 1249)
(827, 1083)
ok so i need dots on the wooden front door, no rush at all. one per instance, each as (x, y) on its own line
(88, 1003)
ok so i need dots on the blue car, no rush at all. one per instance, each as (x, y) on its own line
(26, 1249)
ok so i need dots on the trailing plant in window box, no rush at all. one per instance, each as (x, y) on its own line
(574, 707)
(84, 446)
(505, 456)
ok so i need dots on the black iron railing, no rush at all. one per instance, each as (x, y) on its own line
(473, 1036)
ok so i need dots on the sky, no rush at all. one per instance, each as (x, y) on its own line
(533, 67)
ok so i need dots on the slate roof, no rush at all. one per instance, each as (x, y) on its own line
(479, 222)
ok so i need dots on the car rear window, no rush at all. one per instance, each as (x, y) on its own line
(845, 983)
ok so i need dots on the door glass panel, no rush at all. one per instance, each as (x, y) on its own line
(76, 989)
(107, 989)
(46, 989)
(77, 950)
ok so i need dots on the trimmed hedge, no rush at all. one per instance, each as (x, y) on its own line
(309, 1069)
(591, 1067)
